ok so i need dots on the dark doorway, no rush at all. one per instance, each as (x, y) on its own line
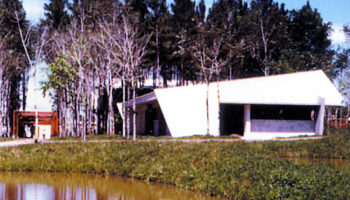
(155, 124)
(150, 116)
(231, 119)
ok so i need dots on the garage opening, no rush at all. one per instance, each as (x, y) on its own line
(231, 119)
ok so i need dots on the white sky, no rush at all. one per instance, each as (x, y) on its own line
(34, 10)
(36, 96)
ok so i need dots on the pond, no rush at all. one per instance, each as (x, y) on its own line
(47, 186)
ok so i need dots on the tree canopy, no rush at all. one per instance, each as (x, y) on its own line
(88, 56)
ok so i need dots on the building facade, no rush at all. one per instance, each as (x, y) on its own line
(255, 108)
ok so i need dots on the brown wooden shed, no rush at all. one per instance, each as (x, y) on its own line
(22, 118)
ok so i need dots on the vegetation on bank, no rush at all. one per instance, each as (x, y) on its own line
(236, 170)
(4, 139)
(142, 138)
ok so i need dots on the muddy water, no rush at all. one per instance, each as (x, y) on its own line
(60, 186)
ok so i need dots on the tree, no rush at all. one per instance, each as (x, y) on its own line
(210, 60)
(131, 48)
(61, 78)
(342, 66)
(3, 81)
(137, 10)
(108, 66)
(91, 10)
(56, 20)
(205, 50)
(183, 26)
(36, 43)
(159, 47)
(56, 15)
(268, 32)
(310, 41)
(346, 29)
(16, 71)
(200, 11)
(72, 49)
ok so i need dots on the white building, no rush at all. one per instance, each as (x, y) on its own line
(255, 108)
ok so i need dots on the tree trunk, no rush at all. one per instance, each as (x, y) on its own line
(9, 130)
(207, 107)
(77, 117)
(134, 109)
(154, 76)
(265, 60)
(86, 120)
(110, 116)
(128, 116)
(60, 112)
(24, 88)
(219, 117)
(157, 49)
(124, 108)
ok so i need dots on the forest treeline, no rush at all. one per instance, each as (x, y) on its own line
(102, 51)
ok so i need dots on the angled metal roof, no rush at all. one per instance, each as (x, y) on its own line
(301, 88)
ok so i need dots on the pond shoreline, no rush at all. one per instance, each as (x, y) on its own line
(74, 185)
(234, 170)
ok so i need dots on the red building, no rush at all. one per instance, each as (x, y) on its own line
(23, 120)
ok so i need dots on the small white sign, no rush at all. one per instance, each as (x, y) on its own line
(44, 132)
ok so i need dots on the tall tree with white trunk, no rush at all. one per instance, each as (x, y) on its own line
(130, 46)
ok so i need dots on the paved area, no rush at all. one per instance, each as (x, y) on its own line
(16, 142)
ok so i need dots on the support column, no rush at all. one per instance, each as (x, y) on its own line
(320, 118)
(247, 125)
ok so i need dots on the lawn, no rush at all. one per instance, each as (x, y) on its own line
(142, 138)
(236, 170)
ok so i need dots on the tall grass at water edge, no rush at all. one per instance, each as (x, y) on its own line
(234, 170)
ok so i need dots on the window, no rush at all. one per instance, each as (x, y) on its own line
(284, 112)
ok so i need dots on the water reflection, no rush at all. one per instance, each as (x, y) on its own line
(60, 186)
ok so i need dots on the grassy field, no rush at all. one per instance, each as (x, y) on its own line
(5, 139)
(143, 138)
(235, 170)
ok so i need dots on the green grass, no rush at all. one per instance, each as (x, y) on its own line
(89, 138)
(235, 170)
(5, 139)
(120, 138)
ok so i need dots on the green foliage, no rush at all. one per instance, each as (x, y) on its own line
(56, 15)
(275, 40)
(183, 14)
(233, 170)
(61, 75)
(16, 67)
(157, 22)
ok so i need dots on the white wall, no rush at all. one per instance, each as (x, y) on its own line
(184, 109)
(44, 130)
(185, 112)
(282, 126)
(268, 129)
